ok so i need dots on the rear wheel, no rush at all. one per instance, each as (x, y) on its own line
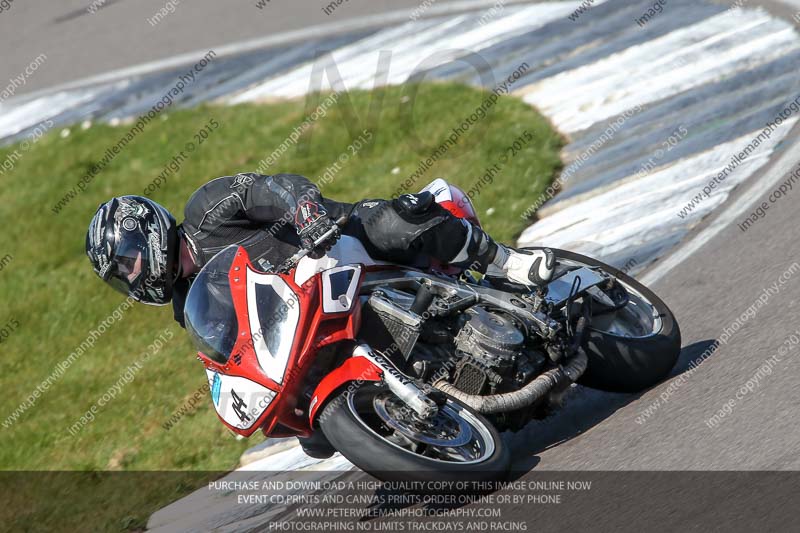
(632, 348)
(377, 432)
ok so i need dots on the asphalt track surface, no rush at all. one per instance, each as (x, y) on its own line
(80, 44)
(708, 291)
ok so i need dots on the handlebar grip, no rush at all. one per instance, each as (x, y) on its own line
(293, 260)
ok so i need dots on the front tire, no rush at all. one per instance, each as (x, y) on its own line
(356, 425)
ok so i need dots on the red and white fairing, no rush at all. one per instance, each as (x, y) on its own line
(259, 333)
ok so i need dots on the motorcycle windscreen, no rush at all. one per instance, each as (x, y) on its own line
(209, 312)
(274, 312)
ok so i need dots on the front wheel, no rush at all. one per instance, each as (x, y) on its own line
(378, 433)
(633, 348)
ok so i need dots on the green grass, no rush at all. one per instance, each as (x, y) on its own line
(50, 289)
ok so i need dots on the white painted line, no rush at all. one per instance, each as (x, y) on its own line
(640, 211)
(732, 212)
(358, 63)
(681, 60)
(312, 32)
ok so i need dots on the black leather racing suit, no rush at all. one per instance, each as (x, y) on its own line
(258, 212)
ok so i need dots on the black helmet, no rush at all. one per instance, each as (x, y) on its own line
(132, 243)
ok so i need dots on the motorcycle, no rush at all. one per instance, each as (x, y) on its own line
(411, 373)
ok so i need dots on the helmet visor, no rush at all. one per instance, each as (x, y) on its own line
(129, 265)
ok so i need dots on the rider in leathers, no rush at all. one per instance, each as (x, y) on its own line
(136, 246)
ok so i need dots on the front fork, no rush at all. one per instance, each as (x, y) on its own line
(401, 385)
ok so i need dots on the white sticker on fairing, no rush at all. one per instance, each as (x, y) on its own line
(238, 401)
(336, 296)
(274, 312)
(440, 189)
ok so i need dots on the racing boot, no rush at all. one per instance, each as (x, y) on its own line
(533, 268)
(527, 267)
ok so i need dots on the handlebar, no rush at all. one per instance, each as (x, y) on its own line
(291, 262)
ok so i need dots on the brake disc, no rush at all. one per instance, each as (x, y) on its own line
(445, 429)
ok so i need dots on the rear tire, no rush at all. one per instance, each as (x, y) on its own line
(365, 448)
(625, 364)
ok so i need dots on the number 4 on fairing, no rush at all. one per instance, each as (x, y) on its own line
(240, 407)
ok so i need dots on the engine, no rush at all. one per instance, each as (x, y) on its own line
(481, 350)
(492, 353)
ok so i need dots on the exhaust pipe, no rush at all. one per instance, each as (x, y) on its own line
(533, 391)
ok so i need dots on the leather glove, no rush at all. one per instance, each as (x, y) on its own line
(311, 223)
